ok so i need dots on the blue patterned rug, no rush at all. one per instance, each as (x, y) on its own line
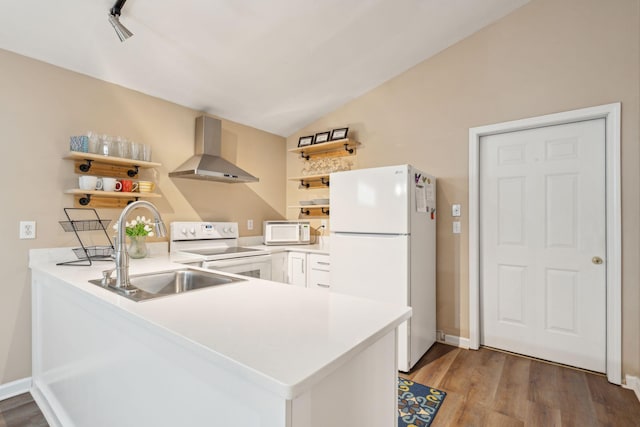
(417, 404)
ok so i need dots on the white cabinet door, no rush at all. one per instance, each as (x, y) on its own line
(297, 268)
(279, 267)
(319, 271)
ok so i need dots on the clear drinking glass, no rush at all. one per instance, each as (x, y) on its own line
(94, 142)
(136, 151)
(146, 152)
(106, 145)
(124, 147)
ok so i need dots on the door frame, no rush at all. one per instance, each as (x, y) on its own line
(611, 114)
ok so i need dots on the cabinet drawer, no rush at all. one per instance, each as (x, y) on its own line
(319, 279)
(320, 262)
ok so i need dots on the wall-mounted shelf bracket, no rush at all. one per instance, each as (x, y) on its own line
(325, 211)
(307, 157)
(133, 172)
(304, 211)
(303, 184)
(85, 200)
(86, 167)
(324, 182)
(347, 149)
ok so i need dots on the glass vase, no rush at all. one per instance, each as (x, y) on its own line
(137, 246)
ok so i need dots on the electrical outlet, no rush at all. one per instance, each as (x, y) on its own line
(455, 210)
(456, 227)
(27, 229)
(249, 224)
(440, 335)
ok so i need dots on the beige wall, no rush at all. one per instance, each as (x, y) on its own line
(546, 57)
(40, 107)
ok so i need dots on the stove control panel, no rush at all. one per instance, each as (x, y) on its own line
(203, 230)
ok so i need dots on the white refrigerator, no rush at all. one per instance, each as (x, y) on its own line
(383, 246)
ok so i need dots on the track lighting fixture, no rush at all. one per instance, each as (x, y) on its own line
(114, 18)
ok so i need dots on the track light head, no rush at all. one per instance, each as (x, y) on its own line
(114, 19)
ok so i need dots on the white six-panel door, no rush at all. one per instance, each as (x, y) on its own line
(543, 243)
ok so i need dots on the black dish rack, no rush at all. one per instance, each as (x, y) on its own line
(87, 254)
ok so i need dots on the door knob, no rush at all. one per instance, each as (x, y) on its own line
(596, 260)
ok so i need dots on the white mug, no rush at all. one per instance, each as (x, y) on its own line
(88, 182)
(111, 184)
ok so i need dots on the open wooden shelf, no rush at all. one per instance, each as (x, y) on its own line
(115, 194)
(79, 155)
(312, 181)
(312, 210)
(107, 166)
(308, 206)
(337, 148)
(106, 199)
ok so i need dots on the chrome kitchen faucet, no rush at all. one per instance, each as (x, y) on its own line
(121, 255)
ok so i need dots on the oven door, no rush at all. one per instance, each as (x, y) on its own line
(251, 266)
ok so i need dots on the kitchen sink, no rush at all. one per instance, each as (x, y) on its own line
(164, 283)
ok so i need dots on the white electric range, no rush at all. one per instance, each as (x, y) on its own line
(216, 243)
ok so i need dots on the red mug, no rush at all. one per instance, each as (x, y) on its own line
(128, 186)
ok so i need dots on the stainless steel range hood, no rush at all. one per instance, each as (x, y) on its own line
(207, 163)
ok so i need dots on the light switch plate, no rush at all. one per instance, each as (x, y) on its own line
(249, 224)
(455, 210)
(456, 227)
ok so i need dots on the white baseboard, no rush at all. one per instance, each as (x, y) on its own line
(15, 388)
(633, 383)
(455, 341)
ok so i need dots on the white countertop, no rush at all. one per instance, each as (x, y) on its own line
(281, 337)
(321, 246)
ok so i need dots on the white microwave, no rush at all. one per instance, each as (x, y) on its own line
(287, 233)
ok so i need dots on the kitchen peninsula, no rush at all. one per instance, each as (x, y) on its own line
(250, 353)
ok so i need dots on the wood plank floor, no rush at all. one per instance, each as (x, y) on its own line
(494, 389)
(21, 411)
(484, 388)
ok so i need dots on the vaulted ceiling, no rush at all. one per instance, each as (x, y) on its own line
(276, 65)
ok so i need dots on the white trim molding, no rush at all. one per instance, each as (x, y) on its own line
(633, 383)
(611, 114)
(15, 388)
(455, 341)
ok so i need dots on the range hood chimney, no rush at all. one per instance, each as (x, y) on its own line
(207, 163)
